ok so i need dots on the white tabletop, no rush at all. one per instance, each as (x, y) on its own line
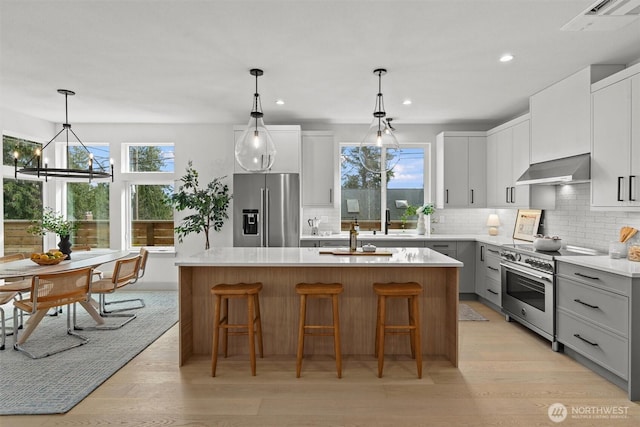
(311, 257)
(27, 268)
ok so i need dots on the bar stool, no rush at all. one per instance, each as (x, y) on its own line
(411, 291)
(319, 290)
(223, 293)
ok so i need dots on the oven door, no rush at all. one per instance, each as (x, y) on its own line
(527, 296)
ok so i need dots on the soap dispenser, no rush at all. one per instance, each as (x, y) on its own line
(353, 238)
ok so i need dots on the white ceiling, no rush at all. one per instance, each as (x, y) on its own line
(184, 61)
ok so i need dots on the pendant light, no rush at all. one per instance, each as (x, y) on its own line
(36, 167)
(255, 151)
(379, 151)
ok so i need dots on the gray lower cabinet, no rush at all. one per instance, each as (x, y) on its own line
(598, 317)
(463, 251)
(487, 280)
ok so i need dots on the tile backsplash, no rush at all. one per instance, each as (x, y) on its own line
(572, 220)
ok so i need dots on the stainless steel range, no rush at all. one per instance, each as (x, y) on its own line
(528, 286)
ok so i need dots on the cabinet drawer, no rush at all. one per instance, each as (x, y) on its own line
(493, 291)
(441, 246)
(492, 251)
(604, 348)
(605, 308)
(598, 278)
(492, 270)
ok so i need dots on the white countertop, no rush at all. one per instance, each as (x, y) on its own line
(311, 257)
(413, 236)
(623, 266)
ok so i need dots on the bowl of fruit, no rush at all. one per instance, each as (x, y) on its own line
(48, 258)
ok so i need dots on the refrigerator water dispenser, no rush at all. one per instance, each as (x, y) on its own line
(250, 222)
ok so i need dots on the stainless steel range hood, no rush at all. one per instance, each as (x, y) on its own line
(568, 170)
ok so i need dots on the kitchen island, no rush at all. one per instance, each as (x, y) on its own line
(280, 269)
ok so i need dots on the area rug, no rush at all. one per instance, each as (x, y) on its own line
(467, 313)
(57, 383)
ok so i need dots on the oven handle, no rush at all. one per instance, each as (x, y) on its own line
(537, 276)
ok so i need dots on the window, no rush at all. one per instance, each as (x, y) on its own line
(151, 218)
(150, 158)
(365, 195)
(88, 202)
(22, 199)
(151, 168)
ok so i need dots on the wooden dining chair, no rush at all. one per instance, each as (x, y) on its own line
(64, 288)
(12, 289)
(144, 255)
(125, 272)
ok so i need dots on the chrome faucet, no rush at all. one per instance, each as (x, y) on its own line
(387, 221)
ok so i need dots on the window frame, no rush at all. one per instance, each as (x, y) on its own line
(428, 176)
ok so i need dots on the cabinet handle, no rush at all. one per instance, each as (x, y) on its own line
(632, 178)
(481, 252)
(447, 196)
(493, 268)
(595, 344)
(492, 291)
(331, 195)
(506, 197)
(586, 277)
(513, 194)
(493, 251)
(471, 196)
(620, 178)
(584, 303)
(441, 246)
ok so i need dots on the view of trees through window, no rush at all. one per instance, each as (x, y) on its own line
(22, 200)
(87, 202)
(151, 218)
(365, 194)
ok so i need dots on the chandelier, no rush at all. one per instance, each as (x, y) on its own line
(38, 166)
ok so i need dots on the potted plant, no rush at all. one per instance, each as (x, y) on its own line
(209, 204)
(422, 211)
(54, 222)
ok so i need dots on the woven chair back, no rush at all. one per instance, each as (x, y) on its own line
(57, 289)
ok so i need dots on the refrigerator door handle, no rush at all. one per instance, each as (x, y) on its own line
(266, 218)
(262, 235)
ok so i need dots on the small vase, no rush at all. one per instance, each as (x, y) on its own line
(65, 246)
(421, 228)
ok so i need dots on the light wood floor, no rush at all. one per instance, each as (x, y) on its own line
(507, 377)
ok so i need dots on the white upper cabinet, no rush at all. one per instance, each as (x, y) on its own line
(561, 115)
(615, 156)
(507, 160)
(287, 139)
(461, 170)
(318, 161)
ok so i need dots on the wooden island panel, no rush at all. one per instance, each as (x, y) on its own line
(279, 306)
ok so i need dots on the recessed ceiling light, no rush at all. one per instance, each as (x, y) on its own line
(406, 102)
(507, 57)
(280, 101)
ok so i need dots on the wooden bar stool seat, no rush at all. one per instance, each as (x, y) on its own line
(411, 291)
(319, 290)
(253, 327)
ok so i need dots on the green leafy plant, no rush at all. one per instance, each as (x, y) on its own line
(209, 203)
(53, 222)
(411, 210)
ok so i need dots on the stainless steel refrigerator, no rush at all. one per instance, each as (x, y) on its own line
(266, 209)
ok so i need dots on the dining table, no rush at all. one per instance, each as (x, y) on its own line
(16, 276)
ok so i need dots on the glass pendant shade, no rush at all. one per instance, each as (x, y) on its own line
(379, 150)
(255, 150)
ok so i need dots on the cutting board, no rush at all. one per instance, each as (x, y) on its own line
(357, 253)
